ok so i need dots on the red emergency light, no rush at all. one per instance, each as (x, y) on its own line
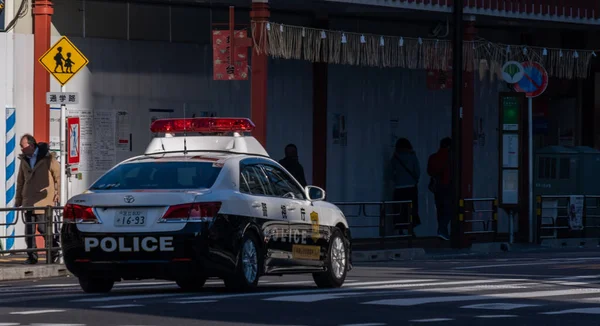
(202, 125)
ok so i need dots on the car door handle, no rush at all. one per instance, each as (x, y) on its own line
(256, 204)
(292, 207)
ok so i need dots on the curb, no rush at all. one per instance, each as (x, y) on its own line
(388, 254)
(32, 272)
(571, 243)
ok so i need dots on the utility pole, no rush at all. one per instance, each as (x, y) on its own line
(456, 153)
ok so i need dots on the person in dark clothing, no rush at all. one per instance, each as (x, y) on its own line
(438, 169)
(405, 174)
(291, 163)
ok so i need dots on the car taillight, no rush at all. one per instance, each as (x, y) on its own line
(192, 212)
(78, 214)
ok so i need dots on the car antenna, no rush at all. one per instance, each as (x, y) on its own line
(184, 132)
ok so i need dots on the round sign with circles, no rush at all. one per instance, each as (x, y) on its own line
(513, 72)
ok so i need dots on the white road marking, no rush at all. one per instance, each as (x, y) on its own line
(357, 284)
(313, 297)
(346, 288)
(515, 295)
(593, 311)
(189, 302)
(35, 312)
(580, 277)
(499, 306)
(496, 316)
(368, 324)
(564, 261)
(391, 285)
(119, 306)
(431, 320)
(46, 324)
(127, 297)
(9, 324)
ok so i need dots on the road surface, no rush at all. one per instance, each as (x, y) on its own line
(520, 289)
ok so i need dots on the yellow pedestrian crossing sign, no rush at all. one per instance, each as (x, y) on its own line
(63, 60)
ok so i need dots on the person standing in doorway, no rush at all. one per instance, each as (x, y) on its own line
(292, 164)
(405, 176)
(38, 185)
(438, 169)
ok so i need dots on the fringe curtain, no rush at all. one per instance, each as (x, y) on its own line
(336, 47)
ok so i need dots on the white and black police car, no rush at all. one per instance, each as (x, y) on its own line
(205, 200)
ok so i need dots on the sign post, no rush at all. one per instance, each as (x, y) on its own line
(510, 158)
(63, 61)
(533, 84)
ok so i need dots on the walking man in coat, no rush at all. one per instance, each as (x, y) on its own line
(438, 168)
(38, 184)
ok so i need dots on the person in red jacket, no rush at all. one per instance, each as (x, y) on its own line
(438, 168)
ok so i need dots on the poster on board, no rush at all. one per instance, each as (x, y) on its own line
(123, 129)
(576, 212)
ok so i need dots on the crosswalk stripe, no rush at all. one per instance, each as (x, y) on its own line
(313, 297)
(119, 306)
(36, 312)
(349, 287)
(499, 306)
(128, 297)
(514, 295)
(594, 311)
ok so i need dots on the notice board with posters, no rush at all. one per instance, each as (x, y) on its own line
(511, 109)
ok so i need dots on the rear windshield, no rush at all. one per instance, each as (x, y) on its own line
(159, 175)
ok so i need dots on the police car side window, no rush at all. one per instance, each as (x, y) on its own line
(281, 183)
(252, 181)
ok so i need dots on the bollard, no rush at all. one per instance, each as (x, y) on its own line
(49, 233)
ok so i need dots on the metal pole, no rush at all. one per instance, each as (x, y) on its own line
(457, 63)
(63, 151)
(530, 183)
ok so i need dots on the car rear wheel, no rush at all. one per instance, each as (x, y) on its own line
(95, 285)
(336, 263)
(248, 267)
(189, 284)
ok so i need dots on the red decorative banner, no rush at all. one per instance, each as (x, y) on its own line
(221, 53)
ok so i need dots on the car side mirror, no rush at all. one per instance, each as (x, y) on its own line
(314, 193)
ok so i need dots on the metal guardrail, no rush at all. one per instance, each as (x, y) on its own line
(468, 209)
(52, 224)
(400, 214)
(558, 222)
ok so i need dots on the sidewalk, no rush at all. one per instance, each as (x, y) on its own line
(13, 268)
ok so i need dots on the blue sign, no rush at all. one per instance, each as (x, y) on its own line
(534, 81)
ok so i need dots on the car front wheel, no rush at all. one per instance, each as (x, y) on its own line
(248, 269)
(336, 263)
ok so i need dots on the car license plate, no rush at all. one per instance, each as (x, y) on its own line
(130, 217)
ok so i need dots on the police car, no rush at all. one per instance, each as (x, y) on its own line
(205, 200)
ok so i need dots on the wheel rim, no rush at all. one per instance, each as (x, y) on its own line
(249, 261)
(338, 257)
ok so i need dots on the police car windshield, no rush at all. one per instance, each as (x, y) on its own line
(159, 175)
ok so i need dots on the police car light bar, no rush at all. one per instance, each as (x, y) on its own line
(202, 125)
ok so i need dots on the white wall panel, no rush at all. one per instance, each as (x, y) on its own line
(290, 105)
(22, 99)
(485, 150)
(370, 98)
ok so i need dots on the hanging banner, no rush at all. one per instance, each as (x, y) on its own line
(73, 134)
(222, 70)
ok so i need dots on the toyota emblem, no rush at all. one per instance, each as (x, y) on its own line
(129, 199)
